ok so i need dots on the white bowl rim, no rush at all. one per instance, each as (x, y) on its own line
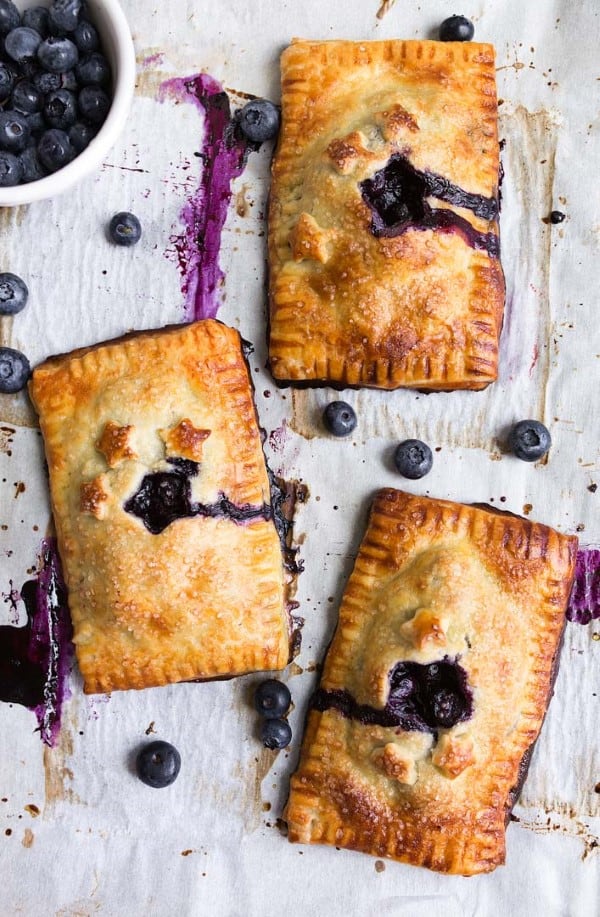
(89, 160)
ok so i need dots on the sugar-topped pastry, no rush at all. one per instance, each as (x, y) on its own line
(435, 686)
(383, 221)
(163, 510)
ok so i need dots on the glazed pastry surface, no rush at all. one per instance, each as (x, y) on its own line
(383, 223)
(162, 507)
(435, 686)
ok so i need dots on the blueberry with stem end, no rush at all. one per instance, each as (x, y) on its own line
(55, 150)
(36, 18)
(259, 120)
(275, 733)
(158, 764)
(63, 15)
(10, 18)
(413, 459)
(14, 370)
(14, 131)
(60, 109)
(11, 170)
(21, 44)
(457, 28)
(93, 104)
(46, 82)
(529, 440)
(13, 294)
(125, 229)
(339, 418)
(272, 699)
(57, 54)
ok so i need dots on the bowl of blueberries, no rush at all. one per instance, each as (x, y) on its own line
(67, 75)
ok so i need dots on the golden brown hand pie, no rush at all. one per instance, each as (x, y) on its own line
(435, 685)
(383, 222)
(162, 507)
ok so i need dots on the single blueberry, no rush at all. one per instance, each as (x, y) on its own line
(10, 18)
(14, 131)
(11, 170)
(13, 294)
(529, 440)
(37, 126)
(22, 43)
(457, 28)
(158, 764)
(57, 54)
(557, 216)
(339, 418)
(93, 104)
(36, 18)
(81, 135)
(14, 370)
(64, 15)
(272, 698)
(447, 708)
(85, 37)
(259, 120)
(55, 150)
(33, 170)
(93, 70)
(26, 98)
(46, 82)
(125, 228)
(413, 459)
(275, 733)
(60, 109)
(7, 81)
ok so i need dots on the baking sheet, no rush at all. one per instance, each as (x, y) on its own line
(79, 834)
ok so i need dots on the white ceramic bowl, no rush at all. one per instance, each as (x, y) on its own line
(117, 44)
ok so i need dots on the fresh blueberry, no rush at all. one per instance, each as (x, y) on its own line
(60, 109)
(259, 120)
(158, 764)
(33, 170)
(46, 82)
(55, 150)
(36, 18)
(557, 216)
(125, 228)
(37, 125)
(7, 81)
(93, 104)
(81, 135)
(272, 698)
(64, 15)
(13, 294)
(14, 131)
(14, 370)
(57, 54)
(457, 28)
(26, 98)
(413, 459)
(275, 733)
(93, 70)
(85, 37)
(10, 18)
(339, 418)
(11, 170)
(22, 43)
(529, 440)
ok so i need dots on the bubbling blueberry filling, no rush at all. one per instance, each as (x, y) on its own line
(422, 698)
(396, 196)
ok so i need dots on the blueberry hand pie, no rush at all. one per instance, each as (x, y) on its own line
(383, 223)
(162, 507)
(435, 685)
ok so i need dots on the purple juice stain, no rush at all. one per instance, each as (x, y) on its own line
(584, 603)
(224, 154)
(396, 196)
(35, 659)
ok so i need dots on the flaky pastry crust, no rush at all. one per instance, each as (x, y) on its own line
(497, 586)
(204, 596)
(416, 307)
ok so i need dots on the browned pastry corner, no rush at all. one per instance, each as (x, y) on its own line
(416, 749)
(162, 507)
(383, 219)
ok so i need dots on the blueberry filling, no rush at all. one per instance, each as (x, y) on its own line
(422, 698)
(396, 196)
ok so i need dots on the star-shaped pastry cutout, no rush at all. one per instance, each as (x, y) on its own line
(309, 241)
(396, 764)
(453, 755)
(185, 440)
(425, 629)
(115, 443)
